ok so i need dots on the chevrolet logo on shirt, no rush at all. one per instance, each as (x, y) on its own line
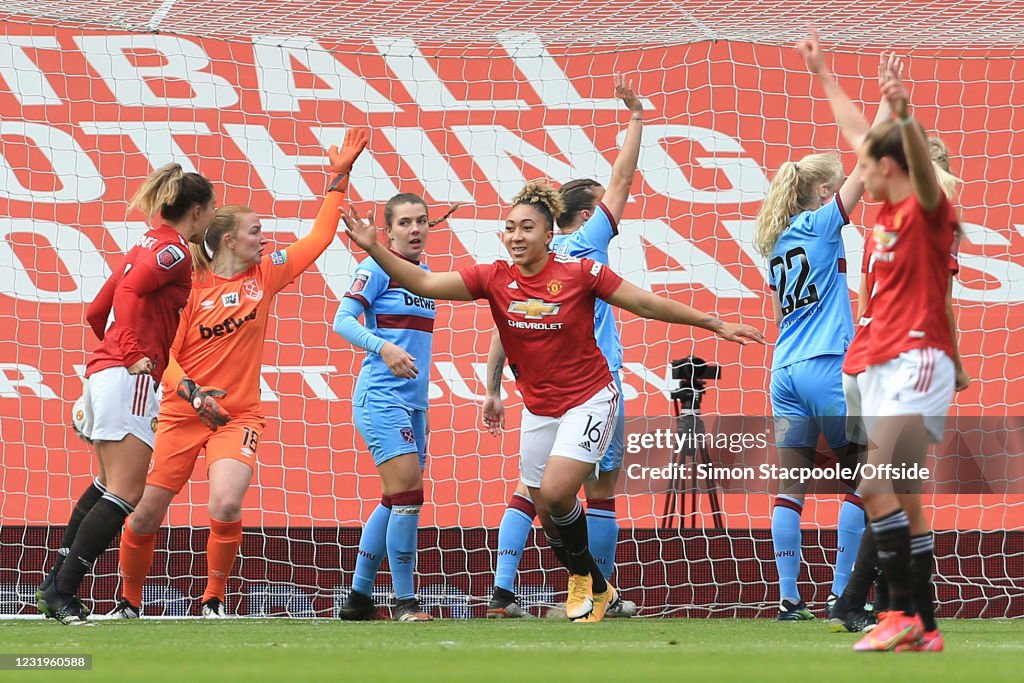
(533, 309)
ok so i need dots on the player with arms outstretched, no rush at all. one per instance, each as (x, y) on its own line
(799, 231)
(119, 401)
(910, 376)
(586, 227)
(544, 307)
(389, 407)
(212, 385)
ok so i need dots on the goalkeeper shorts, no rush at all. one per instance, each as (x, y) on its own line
(115, 404)
(180, 438)
(583, 433)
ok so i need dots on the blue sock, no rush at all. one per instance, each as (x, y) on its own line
(603, 532)
(851, 528)
(402, 540)
(786, 538)
(372, 548)
(516, 525)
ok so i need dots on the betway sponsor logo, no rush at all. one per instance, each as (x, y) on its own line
(419, 301)
(227, 327)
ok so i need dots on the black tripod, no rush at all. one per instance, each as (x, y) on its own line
(685, 488)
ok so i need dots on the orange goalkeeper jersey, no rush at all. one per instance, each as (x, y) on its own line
(220, 338)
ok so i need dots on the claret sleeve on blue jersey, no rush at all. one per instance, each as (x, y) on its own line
(592, 241)
(395, 315)
(807, 273)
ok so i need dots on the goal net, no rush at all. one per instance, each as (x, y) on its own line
(464, 102)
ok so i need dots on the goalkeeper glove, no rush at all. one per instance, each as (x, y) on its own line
(204, 402)
(342, 160)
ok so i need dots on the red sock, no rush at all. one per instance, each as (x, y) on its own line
(136, 559)
(221, 549)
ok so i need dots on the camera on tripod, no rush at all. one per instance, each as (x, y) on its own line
(682, 507)
(692, 372)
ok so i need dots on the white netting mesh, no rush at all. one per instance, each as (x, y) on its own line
(908, 23)
(465, 101)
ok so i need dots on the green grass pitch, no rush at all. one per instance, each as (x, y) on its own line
(644, 650)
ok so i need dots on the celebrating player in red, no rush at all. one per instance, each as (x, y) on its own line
(119, 404)
(214, 377)
(543, 304)
(909, 380)
(848, 613)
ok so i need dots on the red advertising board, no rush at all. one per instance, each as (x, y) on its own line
(85, 115)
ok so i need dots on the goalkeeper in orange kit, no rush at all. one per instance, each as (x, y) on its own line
(212, 384)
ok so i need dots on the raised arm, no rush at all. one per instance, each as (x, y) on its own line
(915, 145)
(363, 233)
(654, 307)
(852, 122)
(616, 193)
(305, 251)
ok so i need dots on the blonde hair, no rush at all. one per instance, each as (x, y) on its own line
(940, 163)
(171, 193)
(544, 198)
(793, 190)
(225, 222)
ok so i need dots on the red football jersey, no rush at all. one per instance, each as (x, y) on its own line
(546, 324)
(909, 268)
(856, 359)
(146, 294)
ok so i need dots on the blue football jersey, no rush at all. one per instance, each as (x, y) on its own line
(591, 241)
(402, 318)
(807, 273)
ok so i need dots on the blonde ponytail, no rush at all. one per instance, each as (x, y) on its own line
(793, 190)
(158, 190)
(170, 193)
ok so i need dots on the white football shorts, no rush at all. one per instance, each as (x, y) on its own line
(917, 382)
(115, 404)
(583, 433)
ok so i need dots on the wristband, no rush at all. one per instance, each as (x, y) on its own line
(339, 184)
(904, 121)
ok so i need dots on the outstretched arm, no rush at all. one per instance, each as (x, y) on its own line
(616, 193)
(410, 276)
(654, 307)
